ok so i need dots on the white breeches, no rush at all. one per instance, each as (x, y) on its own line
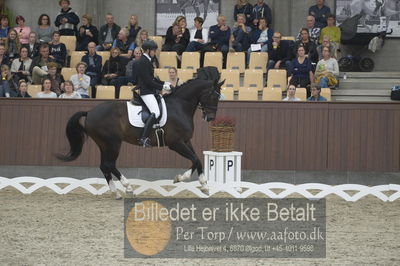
(152, 104)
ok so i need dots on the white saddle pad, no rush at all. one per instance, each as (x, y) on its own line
(135, 114)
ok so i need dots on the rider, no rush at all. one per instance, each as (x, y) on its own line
(148, 86)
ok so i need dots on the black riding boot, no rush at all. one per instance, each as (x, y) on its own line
(144, 140)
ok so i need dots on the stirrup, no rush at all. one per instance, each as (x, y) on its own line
(145, 142)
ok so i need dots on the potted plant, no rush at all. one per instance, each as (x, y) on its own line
(222, 133)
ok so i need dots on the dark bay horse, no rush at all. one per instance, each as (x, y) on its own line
(108, 125)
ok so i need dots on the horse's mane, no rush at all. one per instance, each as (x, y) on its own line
(204, 73)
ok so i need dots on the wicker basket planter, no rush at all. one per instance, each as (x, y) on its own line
(222, 134)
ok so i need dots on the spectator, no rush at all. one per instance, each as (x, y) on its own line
(81, 81)
(46, 90)
(301, 73)
(173, 77)
(113, 68)
(58, 51)
(69, 91)
(67, 20)
(198, 36)
(316, 94)
(327, 70)
(33, 45)
(57, 80)
(142, 36)
(12, 45)
(8, 87)
(20, 67)
(313, 31)
(122, 42)
(245, 8)
(39, 64)
(3, 56)
(261, 10)
(178, 36)
(94, 64)
(44, 29)
(261, 36)
(319, 12)
(219, 35)
(332, 31)
(309, 46)
(326, 43)
(4, 26)
(240, 34)
(23, 89)
(133, 28)
(279, 53)
(87, 33)
(291, 94)
(22, 30)
(108, 33)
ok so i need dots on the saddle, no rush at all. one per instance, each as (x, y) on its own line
(145, 113)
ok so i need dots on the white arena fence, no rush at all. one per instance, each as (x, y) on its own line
(167, 188)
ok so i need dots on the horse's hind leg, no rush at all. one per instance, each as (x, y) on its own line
(198, 166)
(104, 167)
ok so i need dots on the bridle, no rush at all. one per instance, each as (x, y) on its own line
(212, 108)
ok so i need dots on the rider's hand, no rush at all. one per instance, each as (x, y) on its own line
(167, 86)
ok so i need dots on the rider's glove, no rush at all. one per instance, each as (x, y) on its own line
(167, 86)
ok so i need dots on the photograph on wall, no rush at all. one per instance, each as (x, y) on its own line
(168, 10)
(376, 15)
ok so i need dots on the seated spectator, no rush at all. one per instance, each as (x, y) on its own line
(33, 45)
(245, 8)
(122, 42)
(133, 28)
(327, 72)
(320, 12)
(313, 31)
(12, 45)
(316, 94)
(173, 77)
(23, 89)
(326, 43)
(69, 91)
(240, 34)
(46, 90)
(332, 31)
(108, 33)
(87, 33)
(178, 36)
(8, 86)
(58, 51)
(94, 64)
(39, 64)
(113, 68)
(301, 73)
(309, 46)
(261, 36)
(3, 56)
(291, 94)
(4, 26)
(142, 36)
(261, 10)
(67, 20)
(57, 80)
(279, 53)
(219, 36)
(20, 67)
(44, 29)
(22, 30)
(81, 81)
(198, 36)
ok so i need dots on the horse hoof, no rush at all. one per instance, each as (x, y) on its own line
(177, 179)
(205, 190)
(130, 194)
(118, 196)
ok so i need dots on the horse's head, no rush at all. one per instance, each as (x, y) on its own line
(209, 101)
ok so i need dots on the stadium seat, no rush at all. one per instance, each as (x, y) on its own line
(161, 73)
(236, 61)
(105, 55)
(168, 60)
(277, 78)
(105, 92)
(70, 43)
(76, 57)
(301, 93)
(67, 72)
(227, 93)
(288, 38)
(231, 77)
(272, 94)
(213, 59)
(248, 94)
(34, 89)
(191, 60)
(259, 60)
(125, 92)
(158, 40)
(326, 92)
(253, 78)
(185, 74)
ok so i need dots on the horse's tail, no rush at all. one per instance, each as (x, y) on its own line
(76, 137)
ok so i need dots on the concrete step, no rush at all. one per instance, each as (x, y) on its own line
(355, 92)
(360, 99)
(376, 84)
(368, 75)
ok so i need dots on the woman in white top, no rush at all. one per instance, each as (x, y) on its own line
(291, 94)
(327, 70)
(173, 77)
(46, 87)
(81, 81)
(20, 67)
(69, 91)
